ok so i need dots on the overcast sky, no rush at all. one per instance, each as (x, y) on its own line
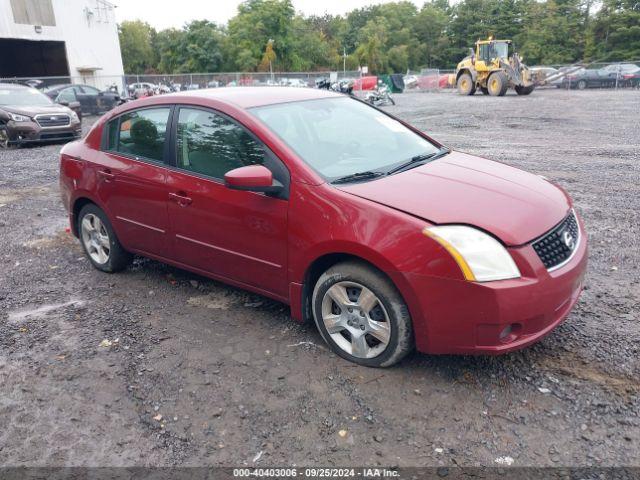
(176, 13)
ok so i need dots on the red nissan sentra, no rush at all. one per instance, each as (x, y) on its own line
(384, 237)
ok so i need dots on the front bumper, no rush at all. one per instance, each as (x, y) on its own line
(468, 318)
(31, 132)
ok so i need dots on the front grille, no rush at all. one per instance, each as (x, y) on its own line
(45, 121)
(556, 247)
(57, 136)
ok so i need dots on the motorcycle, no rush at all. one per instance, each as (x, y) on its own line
(323, 84)
(380, 96)
(344, 86)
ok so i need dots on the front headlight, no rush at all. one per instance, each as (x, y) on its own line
(480, 256)
(74, 116)
(18, 118)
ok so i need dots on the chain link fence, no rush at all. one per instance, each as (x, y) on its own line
(594, 75)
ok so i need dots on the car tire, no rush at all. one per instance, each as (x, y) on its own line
(4, 138)
(497, 84)
(465, 85)
(99, 240)
(374, 330)
(581, 85)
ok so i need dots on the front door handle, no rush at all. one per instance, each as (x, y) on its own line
(180, 198)
(106, 175)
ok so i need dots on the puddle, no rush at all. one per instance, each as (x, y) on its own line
(42, 311)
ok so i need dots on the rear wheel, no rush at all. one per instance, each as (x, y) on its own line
(465, 85)
(100, 242)
(582, 84)
(497, 84)
(361, 315)
(522, 90)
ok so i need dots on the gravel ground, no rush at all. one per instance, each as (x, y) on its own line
(157, 366)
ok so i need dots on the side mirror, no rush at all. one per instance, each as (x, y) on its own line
(64, 103)
(252, 178)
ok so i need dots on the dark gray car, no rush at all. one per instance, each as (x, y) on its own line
(29, 116)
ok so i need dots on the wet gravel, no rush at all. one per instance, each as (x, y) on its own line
(157, 366)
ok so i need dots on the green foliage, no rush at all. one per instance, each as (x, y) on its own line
(616, 31)
(136, 44)
(391, 37)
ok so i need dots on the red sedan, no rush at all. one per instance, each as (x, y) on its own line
(382, 236)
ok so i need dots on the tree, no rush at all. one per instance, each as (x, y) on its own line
(373, 44)
(553, 32)
(393, 36)
(616, 31)
(256, 23)
(430, 28)
(312, 48)
(268, 58)
(168, 44)
(136, 44)
(201, 47)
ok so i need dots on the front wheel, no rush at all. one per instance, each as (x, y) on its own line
(361, 315)
(99, 240)
(498, 84)
(582, 84)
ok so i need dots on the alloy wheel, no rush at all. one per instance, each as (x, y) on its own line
(356, 319)
(95, 238)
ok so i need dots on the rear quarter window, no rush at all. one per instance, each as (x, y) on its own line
(112, 135)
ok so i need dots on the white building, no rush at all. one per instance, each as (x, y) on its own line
(69, 38)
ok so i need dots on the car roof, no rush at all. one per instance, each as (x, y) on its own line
(249, 97)
(14, 86)
(57, 86)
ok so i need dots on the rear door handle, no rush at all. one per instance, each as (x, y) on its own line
(180, 198)
(106, 174)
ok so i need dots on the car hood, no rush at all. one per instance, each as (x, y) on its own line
(513, 205)
(53, 109)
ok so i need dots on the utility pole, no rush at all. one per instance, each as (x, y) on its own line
(271, 66)
(344, 60)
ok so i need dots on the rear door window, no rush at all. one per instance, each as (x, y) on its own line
(141, 133)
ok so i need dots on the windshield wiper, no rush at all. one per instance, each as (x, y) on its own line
(419, 159)
(354, 177)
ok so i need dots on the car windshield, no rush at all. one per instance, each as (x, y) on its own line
(625, 67)
(24, 97)
(338, 137)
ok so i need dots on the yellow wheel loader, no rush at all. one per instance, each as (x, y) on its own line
(492, 68)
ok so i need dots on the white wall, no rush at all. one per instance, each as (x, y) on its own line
(90, 41)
